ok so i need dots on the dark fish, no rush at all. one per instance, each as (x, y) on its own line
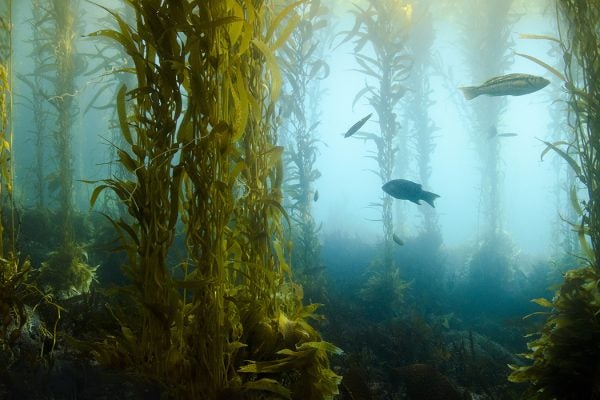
(424, 382)
(354, 128)
(406, 190)
(397, 239)
(507, 134)
(316, 196)
(507, 85)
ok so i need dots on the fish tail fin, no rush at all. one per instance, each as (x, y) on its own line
(429, 197)
(470, 92)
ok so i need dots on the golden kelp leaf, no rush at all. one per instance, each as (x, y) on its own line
(272, 67)
(240, 103)
(570, 160)
(122, 114)
(234, 29)
(542, 37)
(575, 201)
(272, 156)
(285, 33)
(542, 302)
(276, 22)
(126, 160)
(582, 232)
(283, 265)
(543, 64)
(128, 334)
(322, 346)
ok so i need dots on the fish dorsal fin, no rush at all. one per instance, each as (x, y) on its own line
(499, 79)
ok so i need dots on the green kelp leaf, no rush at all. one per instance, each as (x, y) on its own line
(127, 161)
(582, 233)
(570, 160)
(268, 385)
(122, 114)
(96, 193)
(321, 346)
(575, 200)
(542, 302)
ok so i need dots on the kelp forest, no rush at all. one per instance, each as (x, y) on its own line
(302, 200)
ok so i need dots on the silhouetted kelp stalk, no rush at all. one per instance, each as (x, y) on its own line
(419, 101)
(487, 46)
(383, 25)
(41, 55)
(231, 323)
(301, 66)
(564, 358)
(16, 290)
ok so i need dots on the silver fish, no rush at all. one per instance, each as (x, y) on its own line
(507, 85)
(354, 128)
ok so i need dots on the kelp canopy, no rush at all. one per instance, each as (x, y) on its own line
(200, 150)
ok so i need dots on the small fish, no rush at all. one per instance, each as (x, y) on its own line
(354, 128)
(494, 133)
(406, 190)
(397, 239)
(316, 196)
(507, 85)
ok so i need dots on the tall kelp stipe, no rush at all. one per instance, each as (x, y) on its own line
(66, 271)
(425, 266)
(487, 54)
(383, 27)
(302, 65)
(230, 323)
(422, 128)
(564, 358)
(17, 292)
(41, 55)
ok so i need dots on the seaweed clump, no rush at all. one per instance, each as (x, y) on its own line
(565, 357)
(199, 150)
